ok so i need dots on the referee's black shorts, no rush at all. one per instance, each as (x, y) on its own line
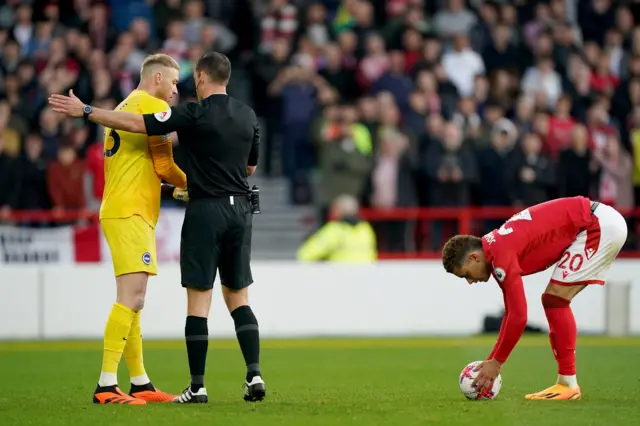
(216, 235)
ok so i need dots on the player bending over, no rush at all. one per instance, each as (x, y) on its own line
(583, 237)
(134, 165)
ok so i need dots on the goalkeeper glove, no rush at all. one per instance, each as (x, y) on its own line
(176, 193)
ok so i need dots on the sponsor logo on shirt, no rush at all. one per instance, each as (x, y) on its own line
(163, 116)
(565, 274)
(490, 238)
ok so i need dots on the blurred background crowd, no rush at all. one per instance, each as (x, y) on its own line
(399, 103)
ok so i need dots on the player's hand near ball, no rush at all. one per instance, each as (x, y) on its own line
(488, 371)
(176, 193)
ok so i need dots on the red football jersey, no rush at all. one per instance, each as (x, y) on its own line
(531, 241)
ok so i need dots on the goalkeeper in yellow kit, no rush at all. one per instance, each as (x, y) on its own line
(134, 166)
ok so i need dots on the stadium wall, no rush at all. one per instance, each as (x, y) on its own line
(291, 300)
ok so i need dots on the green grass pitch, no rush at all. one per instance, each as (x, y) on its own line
(325, 382)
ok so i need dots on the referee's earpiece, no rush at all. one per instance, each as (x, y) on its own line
(197, 85)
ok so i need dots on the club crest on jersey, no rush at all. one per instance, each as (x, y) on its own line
(499, 274)
(163, 116)
(146, 258)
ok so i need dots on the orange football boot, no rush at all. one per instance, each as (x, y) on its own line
(113, 395)
(556, 392)
(149, 393)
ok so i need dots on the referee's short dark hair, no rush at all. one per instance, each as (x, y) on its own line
(216, 66)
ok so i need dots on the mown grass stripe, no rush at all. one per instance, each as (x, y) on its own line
(324, 343)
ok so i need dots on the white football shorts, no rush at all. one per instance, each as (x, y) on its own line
(588, 260)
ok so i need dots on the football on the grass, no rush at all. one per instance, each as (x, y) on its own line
(466, 378)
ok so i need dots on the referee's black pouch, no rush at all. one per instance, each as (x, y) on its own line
(254, 198)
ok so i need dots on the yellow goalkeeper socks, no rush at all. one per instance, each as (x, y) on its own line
(116, 333)
(133, 353)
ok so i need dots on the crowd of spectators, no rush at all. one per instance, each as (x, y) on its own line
(400, 103)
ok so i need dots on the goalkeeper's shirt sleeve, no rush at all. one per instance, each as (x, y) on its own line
(162, 155)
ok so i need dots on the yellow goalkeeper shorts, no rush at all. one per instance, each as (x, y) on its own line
(132, 243)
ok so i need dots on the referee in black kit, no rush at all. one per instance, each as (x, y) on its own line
(220, 136)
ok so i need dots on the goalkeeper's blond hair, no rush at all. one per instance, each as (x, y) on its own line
(153, 63)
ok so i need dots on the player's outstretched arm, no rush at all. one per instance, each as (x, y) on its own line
(513, 326)
(72, 106)
(514, 321)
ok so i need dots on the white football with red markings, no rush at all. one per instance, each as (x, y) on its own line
(467, 376)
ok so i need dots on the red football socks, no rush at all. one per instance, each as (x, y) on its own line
(562, 332)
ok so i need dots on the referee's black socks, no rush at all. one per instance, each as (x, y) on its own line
(249, 339)
(196, 334)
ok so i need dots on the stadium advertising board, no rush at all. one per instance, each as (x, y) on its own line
(81, 244)
(294, 300)
(36, 245)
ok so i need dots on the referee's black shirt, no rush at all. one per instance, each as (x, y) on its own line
(221, 138)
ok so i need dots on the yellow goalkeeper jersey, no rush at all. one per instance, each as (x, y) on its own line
(132, 185)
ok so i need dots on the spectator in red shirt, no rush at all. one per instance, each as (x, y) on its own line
(598, 126)
(602, 79)
(65, 180)
(560, 127)
(412, 44)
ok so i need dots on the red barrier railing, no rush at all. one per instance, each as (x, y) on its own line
(464, 216)
(468, 221)
(52, 216)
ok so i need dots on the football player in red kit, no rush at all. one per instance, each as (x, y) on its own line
(583, 237)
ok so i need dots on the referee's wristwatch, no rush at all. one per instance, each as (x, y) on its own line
(88, 109)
